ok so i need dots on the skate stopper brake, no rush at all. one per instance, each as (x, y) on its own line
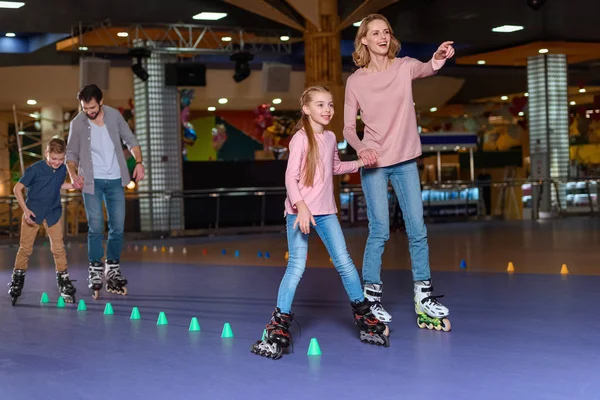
(374, 338)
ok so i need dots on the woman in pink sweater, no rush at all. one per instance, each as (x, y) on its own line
(382, 90)
(312, 162)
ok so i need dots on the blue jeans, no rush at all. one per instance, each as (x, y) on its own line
(113, 194)
(329, 230)
(407, 185)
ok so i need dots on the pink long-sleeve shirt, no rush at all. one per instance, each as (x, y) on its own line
(319, 198)
(387, 109)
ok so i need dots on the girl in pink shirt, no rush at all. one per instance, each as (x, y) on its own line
(312, 162)
(382, 90)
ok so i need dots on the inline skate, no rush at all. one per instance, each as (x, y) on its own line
(65, 287)
(431, 314)
(278, 336)
(372, 292)
(95, 275)
(115, 283)
(16, 285)
(372, 330)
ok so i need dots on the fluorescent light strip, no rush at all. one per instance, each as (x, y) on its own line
(11, 4)
(210, 16)
(507, 28)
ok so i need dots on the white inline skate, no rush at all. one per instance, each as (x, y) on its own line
(431, 314)
(372, 292)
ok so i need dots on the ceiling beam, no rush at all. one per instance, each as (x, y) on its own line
(367, 7)
(264, 9)
(308, 9)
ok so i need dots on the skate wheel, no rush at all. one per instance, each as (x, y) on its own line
(124, 293)
(95, 294)
(420, 324)
(446, 325)
(430, 326)
(13, 300)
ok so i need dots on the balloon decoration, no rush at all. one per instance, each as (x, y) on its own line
(219, 136)
(189, 134)
(278, 134)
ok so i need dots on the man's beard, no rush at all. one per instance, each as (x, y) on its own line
(95, 115)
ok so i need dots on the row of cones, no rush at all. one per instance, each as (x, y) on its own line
(163, 249)
(511, 268)
(313, 349)
(563, 270)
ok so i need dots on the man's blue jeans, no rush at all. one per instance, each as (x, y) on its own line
(407, 185)
(329, 230)
(112, 193)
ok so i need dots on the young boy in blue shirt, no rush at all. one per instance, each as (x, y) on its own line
(44, 181)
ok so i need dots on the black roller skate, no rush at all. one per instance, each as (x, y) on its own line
(372, 330)
(16, 285)
(278, 336)
(65, 287)
(115, 283)
(95, 274)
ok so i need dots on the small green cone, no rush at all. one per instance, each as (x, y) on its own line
(135, 314)
(44, 299)
(264, 335)
(60, 303)
(108, 310)
(162, 319)
(194, 325)
(314, 349)
(227, 332)
(81, 306)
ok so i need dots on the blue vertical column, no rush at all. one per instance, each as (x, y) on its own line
(158, 131)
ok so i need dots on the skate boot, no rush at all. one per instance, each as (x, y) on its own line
(65, 287)
(278, 336)
(16, 285)
(431, 314)
(372, 330)
(372, 293)
(115, 283)
(96, 273)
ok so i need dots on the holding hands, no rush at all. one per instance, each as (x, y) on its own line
(445, 51)
(368, 157)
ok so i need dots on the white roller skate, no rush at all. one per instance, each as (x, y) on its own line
(431, 314)
(115, 282)
(373, 293)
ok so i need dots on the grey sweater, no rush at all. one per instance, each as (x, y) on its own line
(79, 145)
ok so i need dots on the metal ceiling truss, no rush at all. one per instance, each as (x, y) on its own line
(180, 39)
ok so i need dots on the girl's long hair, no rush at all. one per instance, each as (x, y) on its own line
(361, 55)
(312, 155)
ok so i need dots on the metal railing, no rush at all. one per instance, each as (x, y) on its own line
(457, 199)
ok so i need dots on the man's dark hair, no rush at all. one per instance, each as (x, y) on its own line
(90, 92)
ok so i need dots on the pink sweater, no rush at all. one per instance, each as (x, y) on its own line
(387, 109)
(319, 197)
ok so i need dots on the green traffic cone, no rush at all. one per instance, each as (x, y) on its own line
(44, 299)
(227, 332)
(60, 303)
(264, 336)
(81, 306)
(194, 325)
(314, 349)
(162, 319)
(108, 310)
(135, 314)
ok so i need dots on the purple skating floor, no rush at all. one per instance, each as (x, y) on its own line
(514, 336)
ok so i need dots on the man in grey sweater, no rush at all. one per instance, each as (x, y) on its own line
(97, 166)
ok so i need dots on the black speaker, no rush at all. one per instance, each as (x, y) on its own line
(185, 74)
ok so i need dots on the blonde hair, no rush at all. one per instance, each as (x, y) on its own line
(361, 55)
(312, 155)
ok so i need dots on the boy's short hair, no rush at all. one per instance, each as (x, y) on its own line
(57, 146)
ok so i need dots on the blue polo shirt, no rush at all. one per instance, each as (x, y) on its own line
(43, 191)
